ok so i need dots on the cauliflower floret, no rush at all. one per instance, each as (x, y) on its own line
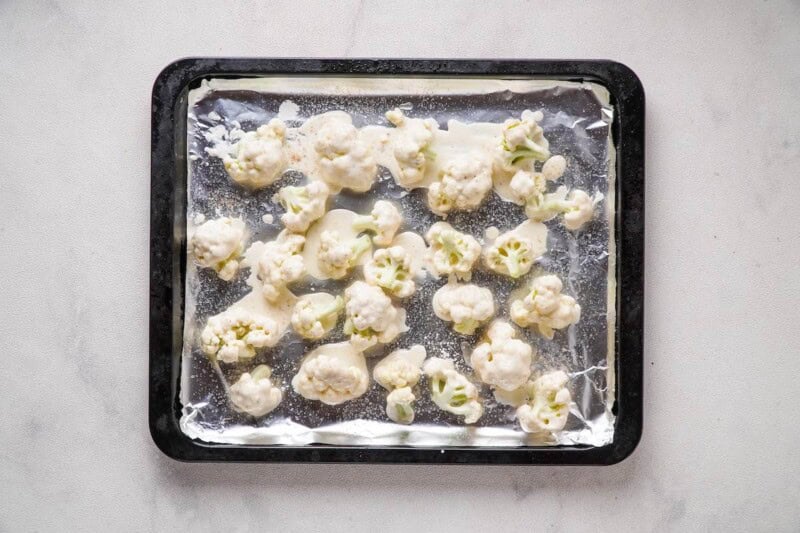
(397, 373)
(303, 205)
(217, 244)
(464, 183)
(337, 258)
(412, 142)
(391, 269)
(549, 409)
(581, 210)
(345, 159)
(313, 320)
(543, 207)
(528, 186)
(332, 374)
(254, 393)
(502, 360)
(235, 334)
(545, 307)
(401, 368)
(466, 305)
(452, 252)
(370, 316)
(554, 167)
(451, 391)
(384, 221)
(510, 255)
(260, 158)
(529, 189)
(523, 140)
(400, 405)
(280, 264)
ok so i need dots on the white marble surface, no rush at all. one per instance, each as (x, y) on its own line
(720, 449)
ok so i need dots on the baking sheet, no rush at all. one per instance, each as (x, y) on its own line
(576, 122)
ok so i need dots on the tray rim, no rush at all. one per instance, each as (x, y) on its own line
(167, 236)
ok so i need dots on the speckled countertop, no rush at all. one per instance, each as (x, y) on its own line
(719, 450)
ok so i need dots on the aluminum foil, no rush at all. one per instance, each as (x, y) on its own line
(576, 121)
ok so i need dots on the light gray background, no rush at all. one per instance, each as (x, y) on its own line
(720, 448)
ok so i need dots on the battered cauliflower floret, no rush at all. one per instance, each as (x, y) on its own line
(545, 307)
(523, 140)
(391, 269)
(502, 360)
(466, 305)
(554, 168)
(581, 210)
(452, 252)
(400, 405)
(337, 257)
(218, 244)
(528, 186)
(384, 221)
(332, 374)
(530, 189)
(235, 334)
(543, 207)
(370, 316)
(280, 264)
(510, 255)
(313, 320)
(345, 160)
(260, 158)
(463, 185)
(401, 368)
(548, 407)
(451, 391)
(398, 372)
(254, 393)
(303, 205)
(412, 141)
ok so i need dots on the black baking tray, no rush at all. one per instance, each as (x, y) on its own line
(168, 255)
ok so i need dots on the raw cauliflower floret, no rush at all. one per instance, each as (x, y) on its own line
(502, 360)
(463, 185)
(337, 257)
(547, 409)
(313, 319)
(545, 307)
(332, 374)
(303, 205)
(510, 255)
(451, 391)
(398, 372)
(280, 264)
(400, 405)
(370, 316)
(452, 252)
(580, 211)
(391, 269)
(401, 368)
(260, 158)
(412, 141)
(254, 393)
(466, 305)
(218, 244)
(345, 160)
(523, 140)
(384, 220)
(235, 334)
